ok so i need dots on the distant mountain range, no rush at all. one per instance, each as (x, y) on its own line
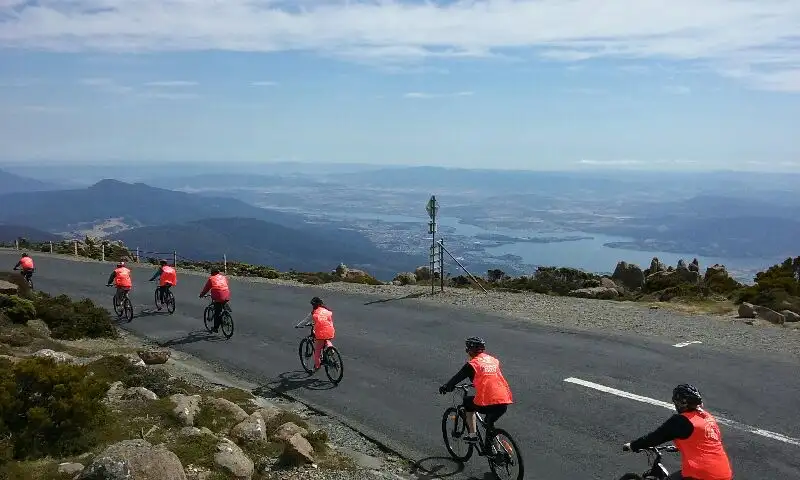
(199, 227)
(11, 183)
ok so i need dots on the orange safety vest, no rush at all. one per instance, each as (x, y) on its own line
(702, 454)
(219, 283)
(26, 263)
(168, 275)
(123, 277)
(491, 387)
(323, 324)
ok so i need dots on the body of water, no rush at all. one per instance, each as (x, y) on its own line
(590, 255)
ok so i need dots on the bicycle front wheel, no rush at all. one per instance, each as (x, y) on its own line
(226, 324)
(454, 429)
(505, 459)
(334, 368)
(157, 298)
(306, 352)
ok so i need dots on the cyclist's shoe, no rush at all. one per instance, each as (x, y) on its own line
(471, 438)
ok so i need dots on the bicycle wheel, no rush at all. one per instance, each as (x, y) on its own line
(170, 302)
(227, 324)
(454, 429)
(117, 306)
(156, 298)
(128, 309)
(334, 368)
(505, 456)
(306, 352)
(208, 318)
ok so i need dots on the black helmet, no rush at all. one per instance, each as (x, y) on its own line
(475, 343)
(214, 270)
(163, 262)
(687, 394)
(316, 302)
(24, 254)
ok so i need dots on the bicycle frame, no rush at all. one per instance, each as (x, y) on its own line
(480, 419)
(657, 469)
(307, 323)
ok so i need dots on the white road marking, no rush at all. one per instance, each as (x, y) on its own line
(684, 344)
(670, 406)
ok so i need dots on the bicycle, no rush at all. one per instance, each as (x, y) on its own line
(27, 275)
(498, 452)
(169, 302)
(226, 322)
(125, 307)
(331, 359)
(657, 470)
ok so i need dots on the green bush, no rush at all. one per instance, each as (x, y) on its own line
(70, 320)
(118, 368)
(49, 408)
(777, 288)
(19, 310)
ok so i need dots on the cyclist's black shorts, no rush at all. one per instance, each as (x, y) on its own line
(492, 412)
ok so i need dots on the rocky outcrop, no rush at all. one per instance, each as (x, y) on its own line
(59, 357)
(134, 460)
(186, 407)
(8, 288)
(629, 275)
(747, 310)
(288, 430)
(602, 293)
(233, 460)
(154, 357)
(790, 316)
(769, 315)
(406, 278)
(237, 412)
(252, 429)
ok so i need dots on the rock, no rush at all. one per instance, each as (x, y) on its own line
(288, 430)
(681, 264)
(655, 266)
(231, 458)
(59, 357)
(629, 275)
(135, 360)
(194, 431)
(269, 413)
(115, 392)
(406, 278)
(771, 316)
(694, 266)
(134, 460)
(154, 357)
(8, 288)
(297, 451)
(715, 270)
(186, 407)
(396, 283)
(198, 473)
(747, 310)
(139, 393)
(422, 273)
(227, 406)
(790, 316)
(608, 283)
(687, 275)
(39, 326)
(250, 430)
(70, 468)
(602, 293)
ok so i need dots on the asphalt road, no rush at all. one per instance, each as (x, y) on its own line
(396, 353)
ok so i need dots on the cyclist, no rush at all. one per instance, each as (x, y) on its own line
(323, 327)
(167, 277)
(492, 393)
(217, 283)
(26, 263)
(696, 435)
(121, 277)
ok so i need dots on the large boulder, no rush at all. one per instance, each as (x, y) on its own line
(252, 429)
(790, 316)
(237, 412)
(769, 315)
(297, 451)
(8, 288)
(288, 430)
(601, 293)
(233, 460)
(58, 357)
(186, 407)
(747, 310)
(406, 278)
(154, 357)
(629, 275)
(134, 460)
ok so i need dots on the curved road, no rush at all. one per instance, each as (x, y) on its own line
(396, 354)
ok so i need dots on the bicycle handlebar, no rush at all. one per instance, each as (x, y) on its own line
(667, 448)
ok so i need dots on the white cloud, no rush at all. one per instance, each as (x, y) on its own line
(169, 95)
(171, 83)
(756, 36)
(677, 90)
(264, 83)
(437, 95)
(105, 84)
(621, 161)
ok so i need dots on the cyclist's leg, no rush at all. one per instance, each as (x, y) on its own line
(492, 414)
(471, 409)
(218, 306)
(318, 344)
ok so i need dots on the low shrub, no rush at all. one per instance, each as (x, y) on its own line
(70, 320)
(18, 310)
(119, 368)
(49, 408)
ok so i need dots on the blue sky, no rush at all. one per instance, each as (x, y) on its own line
(542, 84)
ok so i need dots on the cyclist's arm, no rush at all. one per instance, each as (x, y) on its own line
(676, 426)
(206, 288)
(17, 265)
(111, 277)
(466, 372)
(156, 275)
(305, 322)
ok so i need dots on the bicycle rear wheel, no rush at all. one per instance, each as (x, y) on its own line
(170, 302)
(454, 429)
(117, 306)
(334, 368)
(226, 324)
(505, 457)
(157, 298)
(306, 352)
(128, 309)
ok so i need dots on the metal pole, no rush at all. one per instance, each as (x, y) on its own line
(51, 247)
(137, 254)
(433, 241)
(103, 252)
(174, 258)
(463, 268)
(225, 263)
(16, 244)
(76, 247)
(441, 263)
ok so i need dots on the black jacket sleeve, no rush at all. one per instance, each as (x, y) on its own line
(111, 277)
(466, 372)
(676, 426)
